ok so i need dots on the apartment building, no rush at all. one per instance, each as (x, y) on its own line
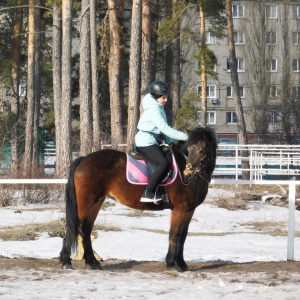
(267, 43)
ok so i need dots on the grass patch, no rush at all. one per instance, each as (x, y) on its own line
(136, 213)
(29, 232)
(55, 228)
(270, 228)
(101, 227)
(231, 203)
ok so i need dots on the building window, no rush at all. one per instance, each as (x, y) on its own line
(237, 11)
(231, 118)
(211, 91)
(272, 91)
(271, 11)
(296, 38)
(271, 38)
(211, 117)
(238, 38)
(296, 65)
(296, 92)
(274, 117)
(240, 65)
(271, 65)
(210, 38)
(230, 92)
(296, 11)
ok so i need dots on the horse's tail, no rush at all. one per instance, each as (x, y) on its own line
(72, 220)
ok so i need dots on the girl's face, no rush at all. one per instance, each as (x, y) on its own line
(162, 100)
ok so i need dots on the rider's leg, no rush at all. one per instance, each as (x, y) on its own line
(154, 154)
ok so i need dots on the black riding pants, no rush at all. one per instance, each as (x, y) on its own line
(155, 154)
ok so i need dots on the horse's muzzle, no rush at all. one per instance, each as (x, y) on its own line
(187, 172)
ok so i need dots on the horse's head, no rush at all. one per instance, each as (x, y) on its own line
(200, 154)
(195, 158)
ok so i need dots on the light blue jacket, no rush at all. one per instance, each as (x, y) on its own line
(154, 120)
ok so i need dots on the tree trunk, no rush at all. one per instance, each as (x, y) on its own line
(114, 76)
(28, 156)
(62, 166)
(94, 69)
(154, 26)
(37, 82)
(168, 63)
(134, 71)
(241, 126)
(146, 49)
(15, 101)
(56, 65)
(203, 69)
(175, 69)
(86, 129)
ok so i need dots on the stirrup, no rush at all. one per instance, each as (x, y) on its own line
(154, 200)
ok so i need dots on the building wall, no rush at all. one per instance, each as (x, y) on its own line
(252, 24)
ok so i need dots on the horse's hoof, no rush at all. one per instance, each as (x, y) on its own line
(178, 267)
(96, 266)
(67, 267)
(184, 268)
(175, 269)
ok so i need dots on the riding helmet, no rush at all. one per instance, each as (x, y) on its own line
(159, 88)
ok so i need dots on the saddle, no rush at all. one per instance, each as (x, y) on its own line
(139, 169)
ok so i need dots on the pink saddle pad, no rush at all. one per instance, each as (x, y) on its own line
(137, 172)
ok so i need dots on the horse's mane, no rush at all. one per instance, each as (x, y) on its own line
(201, 134)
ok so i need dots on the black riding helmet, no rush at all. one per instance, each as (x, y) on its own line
(159, 88)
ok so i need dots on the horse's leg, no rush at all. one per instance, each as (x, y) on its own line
(182, 238)
(180, 221)
(86, 230)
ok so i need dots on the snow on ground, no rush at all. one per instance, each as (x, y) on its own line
(216, 234)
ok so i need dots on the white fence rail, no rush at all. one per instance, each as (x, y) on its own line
(265, 161)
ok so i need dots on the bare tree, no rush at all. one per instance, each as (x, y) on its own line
(203, 68)
(114, 76)
(94, 70)
(256, 55)
(28, 156)
(86, 129)
(134, 71)
(37, 83)
(175, 67)
(65, 156)
(15, 101)
(146, 48)
(241, 126)
(154, 25)
(56, 75)
(173, 61)
(286, 110)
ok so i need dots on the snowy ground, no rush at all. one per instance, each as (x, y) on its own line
(216, 236)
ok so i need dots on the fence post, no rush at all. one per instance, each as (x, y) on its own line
(291, 220)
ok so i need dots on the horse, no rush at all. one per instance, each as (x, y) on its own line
(100, 174)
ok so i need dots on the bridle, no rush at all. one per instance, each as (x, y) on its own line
(200, 171)
(189, 166)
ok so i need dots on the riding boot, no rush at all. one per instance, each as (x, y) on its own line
(150, 195)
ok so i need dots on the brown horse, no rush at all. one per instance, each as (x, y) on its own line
(103, 173)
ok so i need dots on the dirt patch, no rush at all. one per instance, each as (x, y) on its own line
(53, 265)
